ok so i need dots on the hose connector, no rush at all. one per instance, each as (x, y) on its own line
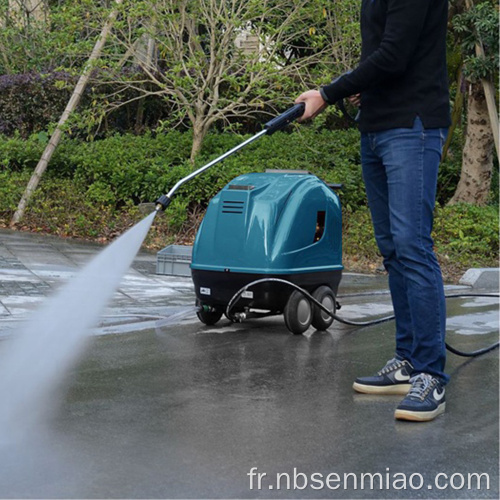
(239, 317)
(162, 202)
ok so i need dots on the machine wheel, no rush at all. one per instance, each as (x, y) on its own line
(298, 313)
(209, 317)
(321, 320)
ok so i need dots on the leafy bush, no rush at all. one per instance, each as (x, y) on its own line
(467, 234)
(17, 154)
(358, 237)
(128, 167)
(12, 186)
(30, 101)
(125, 168)
(91, 190)
(331, 155)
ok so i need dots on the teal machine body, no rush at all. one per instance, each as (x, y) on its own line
(277, 224)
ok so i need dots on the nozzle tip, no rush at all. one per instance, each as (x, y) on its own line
(162, 202)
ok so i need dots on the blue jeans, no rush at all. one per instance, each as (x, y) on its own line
(400, 168)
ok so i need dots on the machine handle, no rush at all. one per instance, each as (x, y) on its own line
(285, 118)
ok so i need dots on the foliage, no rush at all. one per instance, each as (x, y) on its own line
(92, 189)
(12, 185)
(467, 234)
(479, 25)
(123, 170)
(199, 69)
(30, 101)
(63, 40)
(193, 76)
(359, 239)
(129, 167)
(33, 102)
(126, 168)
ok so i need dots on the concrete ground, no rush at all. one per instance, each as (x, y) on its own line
(181, 410)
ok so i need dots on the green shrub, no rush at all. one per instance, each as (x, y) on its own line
(91, 189)
(125, 168)
(60, 207)
(358, 237)
(30, 101)
(12, 186)
(17, 154)
(331, 155)
(467, 234)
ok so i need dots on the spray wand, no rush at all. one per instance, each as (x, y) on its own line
(278, 123)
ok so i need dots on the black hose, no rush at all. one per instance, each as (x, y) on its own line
(472, 354)
(237, 295)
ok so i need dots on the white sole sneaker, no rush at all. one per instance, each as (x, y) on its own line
(419, 416)
(397, 389)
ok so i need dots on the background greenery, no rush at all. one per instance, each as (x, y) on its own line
(130, 141)
(95, 189)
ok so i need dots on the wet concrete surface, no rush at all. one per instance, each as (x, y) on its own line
(186, 411)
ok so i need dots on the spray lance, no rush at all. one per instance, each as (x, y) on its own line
(278, 123)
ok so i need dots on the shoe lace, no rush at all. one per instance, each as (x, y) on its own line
(391, 365)
(421, 384)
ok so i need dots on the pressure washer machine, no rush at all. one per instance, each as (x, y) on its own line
(271, 243)
(263, 235)
(283, 225)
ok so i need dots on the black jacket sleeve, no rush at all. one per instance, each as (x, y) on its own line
(389, 57)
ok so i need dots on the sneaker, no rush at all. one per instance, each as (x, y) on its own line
(394, 378)
(424, 402)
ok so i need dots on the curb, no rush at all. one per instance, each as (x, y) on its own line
(486, 278)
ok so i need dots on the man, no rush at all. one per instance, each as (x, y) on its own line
(404, 116)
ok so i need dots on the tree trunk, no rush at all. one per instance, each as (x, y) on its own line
(199, 132)
(144, 56)
(28, 12)
(489, 92)
(477, 160)
(70, 107)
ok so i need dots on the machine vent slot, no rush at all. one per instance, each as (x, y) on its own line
(233, 207)
(240, 187)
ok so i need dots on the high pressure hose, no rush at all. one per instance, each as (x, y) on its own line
(238, 294)
(270, 127)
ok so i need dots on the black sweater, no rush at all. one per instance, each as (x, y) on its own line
(403, 70)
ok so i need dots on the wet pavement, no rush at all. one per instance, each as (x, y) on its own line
(182, 410)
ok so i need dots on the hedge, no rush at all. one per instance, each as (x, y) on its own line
(93, 189)
(129, 168)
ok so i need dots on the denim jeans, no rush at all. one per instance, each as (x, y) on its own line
(400, 168)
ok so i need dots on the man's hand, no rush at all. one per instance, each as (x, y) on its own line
(355, 100)
(314, 104)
